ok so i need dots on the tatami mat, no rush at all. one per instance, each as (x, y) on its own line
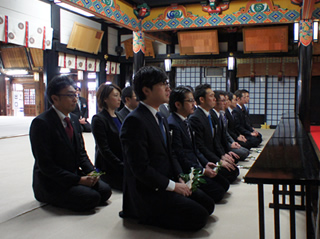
(23, 217)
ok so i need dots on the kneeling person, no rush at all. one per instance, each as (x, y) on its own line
(61, 161)
(153, 192)
(183, 144)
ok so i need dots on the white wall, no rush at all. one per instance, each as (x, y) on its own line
(66, 23)
(28, 10)
(159, 48)
(112, 40)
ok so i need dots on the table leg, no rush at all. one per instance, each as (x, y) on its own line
(261, 211)
(292, 212)
(276, 211)
(310, 229)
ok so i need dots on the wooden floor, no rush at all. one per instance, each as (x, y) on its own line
(23, 217)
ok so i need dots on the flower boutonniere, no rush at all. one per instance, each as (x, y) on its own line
(218, 167)
(96, 173)
(193, 179)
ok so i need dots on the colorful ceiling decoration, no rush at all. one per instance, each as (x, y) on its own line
(259, 6)
(109, 10)
(175, 11)
(215, 6)
(305, 32)
(237, 18)
(177, 16)
(299, 2)
(110, 3)
(141, 11)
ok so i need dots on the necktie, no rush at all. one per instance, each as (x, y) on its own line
(225, 121)
(188, 128)
(161, 126)
(69, 129)
(210, 122)
(220, 121)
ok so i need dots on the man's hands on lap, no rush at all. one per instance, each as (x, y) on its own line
(182, 188)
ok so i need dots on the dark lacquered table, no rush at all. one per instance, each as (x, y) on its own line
(288, 159)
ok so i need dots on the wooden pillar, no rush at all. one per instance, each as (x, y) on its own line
(232, 74)
(50, 57)
(305, 73)
(102, 75)
(138, 50)
(172, 73)
(3, 98)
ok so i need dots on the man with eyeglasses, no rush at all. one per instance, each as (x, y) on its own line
(203, 125)
(184, 147)
(63, 174)
(224, 143)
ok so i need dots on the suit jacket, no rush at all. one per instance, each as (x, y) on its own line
(164, 110)
(240, 121)
(220, 138)
(81, 112)
(57, 159)
(108, 156)
(231, 126)
(122, 114)
(184, 147)
(148, 164)
(204, 139)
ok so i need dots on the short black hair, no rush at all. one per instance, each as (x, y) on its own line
(126, 92)
(245, 91)
(178, 95)
(239, 93)
(218, 93)
(230, 95)
(57, 84)
(200, 91)
(147, 76)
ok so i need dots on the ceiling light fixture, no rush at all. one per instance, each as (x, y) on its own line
(72, 8)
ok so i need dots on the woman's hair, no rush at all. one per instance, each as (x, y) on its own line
(103, 92)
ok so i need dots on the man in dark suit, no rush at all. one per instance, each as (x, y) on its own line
(153, 192)
(164, 109)
(184, 147)
(81, 111)
(224, 142)
(241, 139)
(62, 166)
(242, 125)
(129, 99)
(202, 124)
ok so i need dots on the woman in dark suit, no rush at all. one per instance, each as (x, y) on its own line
(106, 129)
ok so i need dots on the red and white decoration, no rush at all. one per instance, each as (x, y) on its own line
(25, 33)
(78, 62)
(112, 68)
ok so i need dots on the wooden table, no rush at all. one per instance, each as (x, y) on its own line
(287, 159)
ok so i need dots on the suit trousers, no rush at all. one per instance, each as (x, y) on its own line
(215, 187)
(175, 211)
(242, 152)
(80, 198)
(231, 176)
